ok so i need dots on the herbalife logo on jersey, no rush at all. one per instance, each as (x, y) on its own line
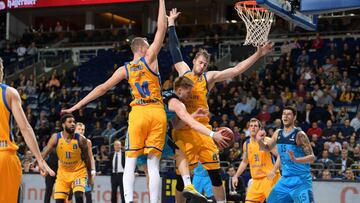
(20, 3)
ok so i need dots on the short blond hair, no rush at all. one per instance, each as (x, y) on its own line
(256, 120)
(183, 81)
(204, 53)
(137, 43)
(80, 124)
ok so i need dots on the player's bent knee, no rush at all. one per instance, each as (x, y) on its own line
(215, 177)
(179, 183)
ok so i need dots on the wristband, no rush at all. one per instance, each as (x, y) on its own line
(212, 133)
(93, 172)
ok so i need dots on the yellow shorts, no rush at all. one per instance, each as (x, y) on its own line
(67, 180)
(197, 147)
(260, 189)
(146, 131)
(10, 170)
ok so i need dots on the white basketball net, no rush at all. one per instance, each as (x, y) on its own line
(258, 23)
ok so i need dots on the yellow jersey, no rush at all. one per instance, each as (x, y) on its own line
(198, 98)
(261, 162)
(7, 141)
(144, 83)
(69, 153)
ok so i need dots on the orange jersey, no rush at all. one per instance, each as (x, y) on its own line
(7, 141)
(69, 153)
(261, 162)
(145, 84)
(198, 98)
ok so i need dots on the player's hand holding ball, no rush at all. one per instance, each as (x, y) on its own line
(224, 137)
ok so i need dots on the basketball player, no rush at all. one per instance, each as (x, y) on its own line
(10, 167)
(147, 119)
(72, 172)
(80, 128)
(296, 154)
(263, 171)
(178, 116)
(200, 147)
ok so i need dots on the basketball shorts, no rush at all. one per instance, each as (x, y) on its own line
(293, 189)
(260, 189)
(10, 170)
(146, 131)
(69, 180)
(197, 147)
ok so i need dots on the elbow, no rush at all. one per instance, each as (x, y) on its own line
(312, 159)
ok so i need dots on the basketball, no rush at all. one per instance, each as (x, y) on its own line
(227, 132)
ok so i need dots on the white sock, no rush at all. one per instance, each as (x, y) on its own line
(186, 179)
(221, 201)
(129, 178)
(154, 178)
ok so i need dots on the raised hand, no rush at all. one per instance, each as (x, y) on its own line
(266, 48)
(174, 14)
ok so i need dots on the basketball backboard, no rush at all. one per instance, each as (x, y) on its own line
(284, 9)
(327, 6)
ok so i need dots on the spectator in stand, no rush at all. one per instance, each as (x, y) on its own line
(336, 153)
(344, 160)
(328, 131)
(330, 114)
(97, 131)
(326, 175)
(108, 131)
(43, 131)
(356, 153)
(308, 116)
(347, 95)
(235, 153)
(342, 115)
(352, 144)
(333, 60)
(325, 100)
(113, 104)
(264, 115)
(58, 27)
(349, 175)
(285, 49)
(276, 114)
(102, 157)
(242, 107)
(303, 58)
(325, 160)
(347, 131)
(315, 130)
(316, 146)
(54, 82)
(333, 143)
(21, 50)
(355, 122)
(32, 49)
(317, 43)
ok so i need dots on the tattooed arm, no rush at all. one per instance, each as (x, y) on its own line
(302, 140)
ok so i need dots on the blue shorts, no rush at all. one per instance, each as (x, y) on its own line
(203, 184)
(87, 187)
(167, 152)
(294, 189)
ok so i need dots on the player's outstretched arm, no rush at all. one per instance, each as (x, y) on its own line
(242, 167)
(217, 76)
(272, 173)
(92, 160)
(179, 108)
(174, 44)
(26, 130)
(302, 140)
(100, 90)
(268, 144)
(50, 145)
(155, 47)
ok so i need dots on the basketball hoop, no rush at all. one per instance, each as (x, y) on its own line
(257, 20)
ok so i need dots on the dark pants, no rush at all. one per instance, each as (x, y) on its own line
(117, 181)
(49, 185)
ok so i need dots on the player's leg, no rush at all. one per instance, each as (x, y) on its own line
(10, 170)
(62, 185)
(49, 185)
(209, 158)
(303, 191)
(281, 191)
(134, 147)
(154, 145)
(88, 190)
(79, 187)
